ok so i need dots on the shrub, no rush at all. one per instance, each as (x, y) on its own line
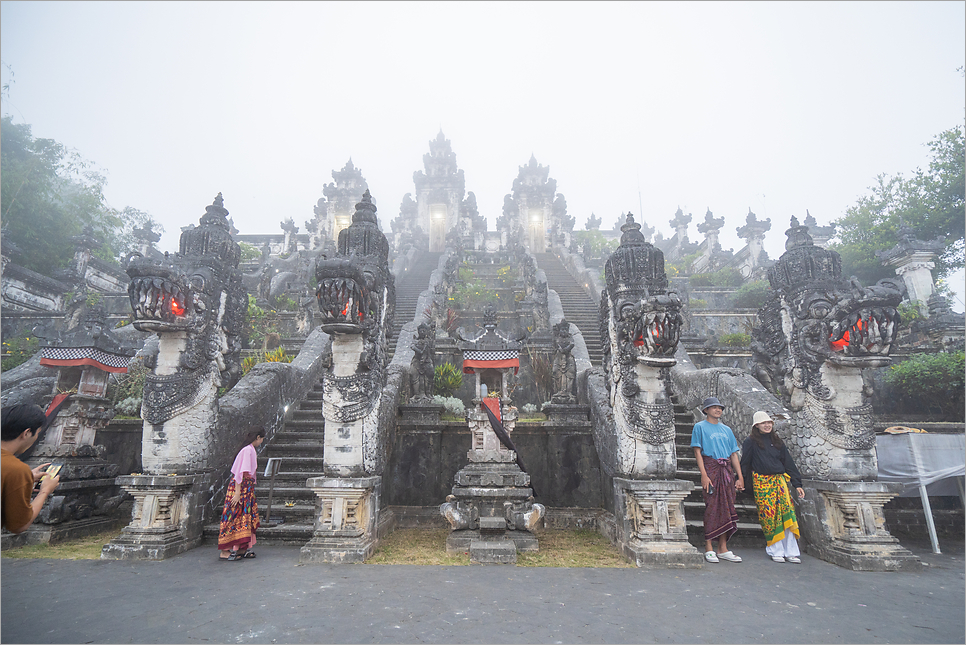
(452, 405)
(249, 252)
(529, 408)
(277, 355)
(751, 295)
(285, 302)
(474, 295)
(129, 407)
(698, 303)
(735, 340)
(21, 349)
(259, 323)
(933, 379)
(727, 277)
(909, 312)
(128, 389)
(506, 275)
(447, 378)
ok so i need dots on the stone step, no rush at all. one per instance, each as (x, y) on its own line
(295, 533)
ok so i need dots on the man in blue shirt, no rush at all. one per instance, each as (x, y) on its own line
(716, 451)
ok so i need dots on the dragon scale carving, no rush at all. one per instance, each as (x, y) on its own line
(816, 341)
(195, 302)
(640, 323)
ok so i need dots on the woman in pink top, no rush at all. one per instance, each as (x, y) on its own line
(239, 519)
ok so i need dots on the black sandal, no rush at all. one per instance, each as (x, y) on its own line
(234, 556)
(248, 554)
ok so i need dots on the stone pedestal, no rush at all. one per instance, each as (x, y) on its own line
(346, 518)
(651, 529)
(423, 413)
(843, 523)
(491, 506)
(166, 519)
(567, 414)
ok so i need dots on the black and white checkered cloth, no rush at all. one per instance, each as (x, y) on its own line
(483, 355)
(77, 353)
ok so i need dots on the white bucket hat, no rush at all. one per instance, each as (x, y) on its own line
(760, 417)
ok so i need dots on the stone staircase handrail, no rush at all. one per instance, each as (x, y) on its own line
(589, 279)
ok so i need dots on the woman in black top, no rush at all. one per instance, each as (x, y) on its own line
(766, 463)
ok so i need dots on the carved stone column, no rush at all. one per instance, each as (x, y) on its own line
(650, 522)
(345, 524)
(847, 527)
(166, 518)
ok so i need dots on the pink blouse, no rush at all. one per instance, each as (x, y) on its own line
(245, 462)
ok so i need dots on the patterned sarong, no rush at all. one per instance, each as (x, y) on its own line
(776, 514)
(720, 517)
(240, 521)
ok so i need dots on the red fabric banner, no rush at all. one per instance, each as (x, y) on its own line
(469, 366)
(78, 362)
(493, 403)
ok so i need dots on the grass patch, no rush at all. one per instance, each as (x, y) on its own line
(416, 546)
(88, 548)
(577, 548)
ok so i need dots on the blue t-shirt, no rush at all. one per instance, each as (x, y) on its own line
(714, 439)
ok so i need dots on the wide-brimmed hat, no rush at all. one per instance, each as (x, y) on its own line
(760, 417)
(708, 402)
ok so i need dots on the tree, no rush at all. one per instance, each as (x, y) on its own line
(50, 194)
(932, 202)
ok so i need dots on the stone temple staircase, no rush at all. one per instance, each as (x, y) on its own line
(578, 306)
(415, 281)
(299, 443)
(749, 533)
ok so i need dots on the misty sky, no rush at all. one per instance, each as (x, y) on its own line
(641, 107)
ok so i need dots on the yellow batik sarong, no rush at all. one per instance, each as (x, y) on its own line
(776, 514)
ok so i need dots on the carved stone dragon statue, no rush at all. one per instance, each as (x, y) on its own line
(195, 302)
(817, 340)
(640, 322)
(356, 295)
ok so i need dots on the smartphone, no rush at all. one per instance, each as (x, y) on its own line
(710, 489)
(52, 470)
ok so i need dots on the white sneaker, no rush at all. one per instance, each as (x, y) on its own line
(709, 556)
(728, 556)
(794, 559)
(778, 558)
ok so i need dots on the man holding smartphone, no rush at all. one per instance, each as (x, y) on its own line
(19, 428)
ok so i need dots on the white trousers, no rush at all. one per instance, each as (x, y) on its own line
(786, 548)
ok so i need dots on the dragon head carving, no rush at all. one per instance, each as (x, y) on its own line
(815, 340)
(816, 317)
(355, 289)
(196, 293)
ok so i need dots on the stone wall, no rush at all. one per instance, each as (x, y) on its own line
(561, 461)
(122, 442)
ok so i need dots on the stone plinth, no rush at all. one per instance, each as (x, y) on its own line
(423, 413)
(166, 518)
(567, 414)
(843, 523)
(346, 518)
(651, 529)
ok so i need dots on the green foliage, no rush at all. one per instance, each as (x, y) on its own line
(49, 194)
(506, 275)
(259, 323)
(735, 340)
(682, 266)
(932, 202)
(933, 380)
(127, 390)
(594, 243)
(727, 277)
(698, 303)
(909, 312)
(277, 355)
(249, 252)
(447, 378)
(285, 302)
(453, 405)
(751, 295)
(474, 296)
(21, 349)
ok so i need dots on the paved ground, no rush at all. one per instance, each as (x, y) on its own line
(272, 599)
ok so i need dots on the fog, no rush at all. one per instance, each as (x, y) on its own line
(641, 107)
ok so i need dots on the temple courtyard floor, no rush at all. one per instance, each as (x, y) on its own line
(195, 598)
